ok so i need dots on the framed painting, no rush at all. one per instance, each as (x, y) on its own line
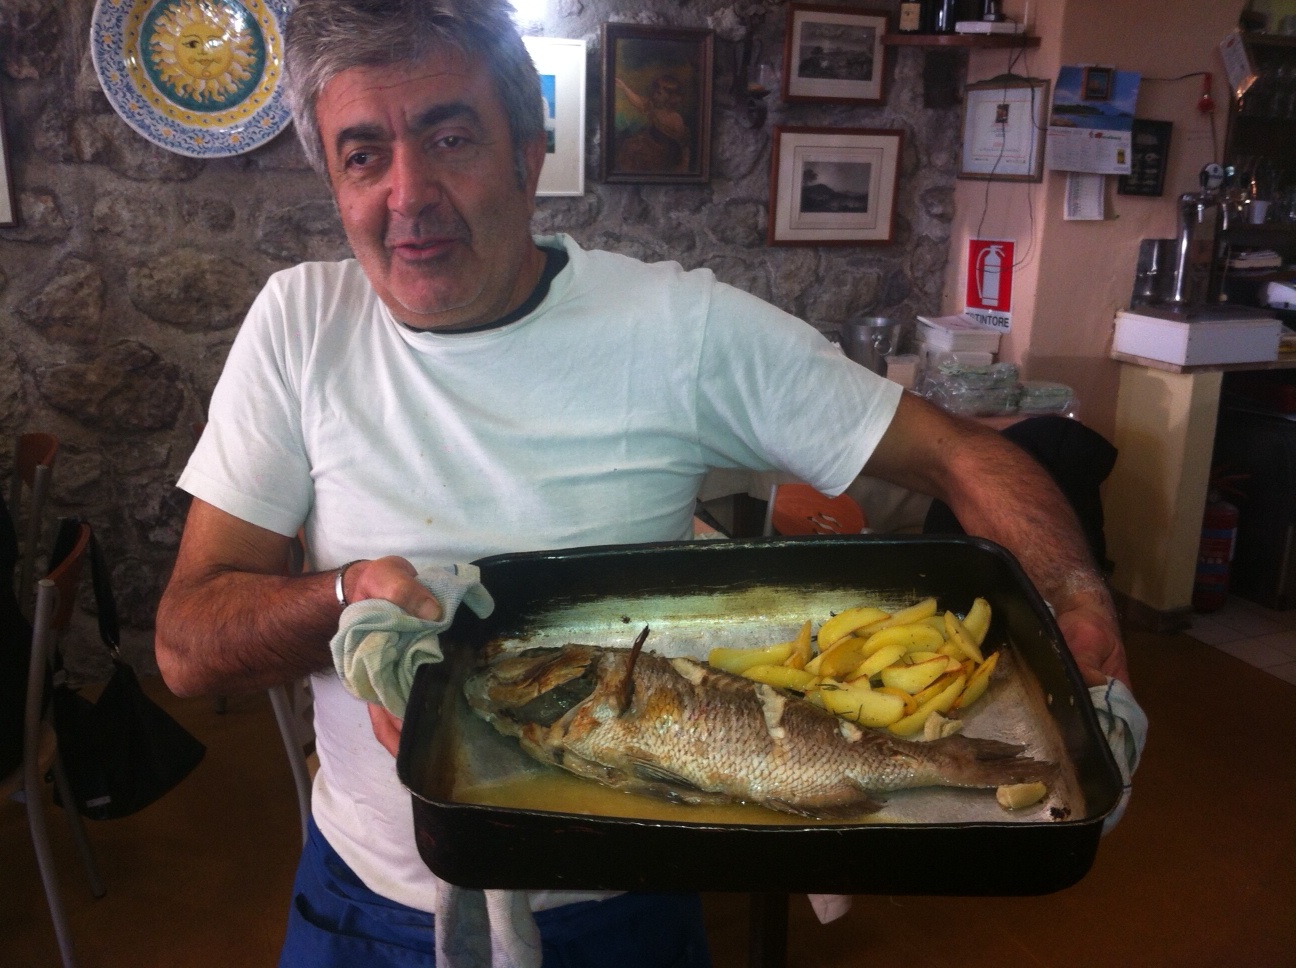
(656, 117)
(561, 65)
(835, 54)
(833, 186)
(1004, 123)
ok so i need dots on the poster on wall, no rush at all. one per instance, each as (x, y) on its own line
(990, 282)
(1091, 127)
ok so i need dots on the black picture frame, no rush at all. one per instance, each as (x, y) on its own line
(656, 112)
(1097, 83)
(1149, 155)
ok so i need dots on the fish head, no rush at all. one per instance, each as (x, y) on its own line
(535, 685)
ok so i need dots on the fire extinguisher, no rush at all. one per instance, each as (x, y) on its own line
(1215, 553)
(989, 266)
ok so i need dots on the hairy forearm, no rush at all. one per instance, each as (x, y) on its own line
(997, 491)
(237, 631)
(1013, 501)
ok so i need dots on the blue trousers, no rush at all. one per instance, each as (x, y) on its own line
(337, 922)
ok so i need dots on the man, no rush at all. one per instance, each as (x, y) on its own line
(462, 389)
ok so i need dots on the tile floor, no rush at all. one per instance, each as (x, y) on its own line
(1258, 636)
(201, 878)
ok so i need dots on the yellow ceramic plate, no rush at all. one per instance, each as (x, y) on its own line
(198, 77)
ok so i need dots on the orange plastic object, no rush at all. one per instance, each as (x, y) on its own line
(800, 509)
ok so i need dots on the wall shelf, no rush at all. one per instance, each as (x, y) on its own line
(960, 40)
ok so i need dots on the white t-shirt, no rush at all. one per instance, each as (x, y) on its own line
(590, 421)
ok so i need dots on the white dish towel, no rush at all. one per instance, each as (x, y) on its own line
(376, 651)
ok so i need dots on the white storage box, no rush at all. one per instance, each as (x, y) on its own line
(1197, 343)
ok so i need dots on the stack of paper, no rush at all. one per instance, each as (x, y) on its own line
(955, 334)
(1255, 259)
(988, 27)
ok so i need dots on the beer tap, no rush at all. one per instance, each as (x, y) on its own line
(1218, 191)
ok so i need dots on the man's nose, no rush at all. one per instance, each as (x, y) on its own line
(413, 180)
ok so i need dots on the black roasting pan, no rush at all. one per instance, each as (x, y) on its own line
(698, 594)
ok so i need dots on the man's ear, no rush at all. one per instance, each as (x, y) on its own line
(533, 155)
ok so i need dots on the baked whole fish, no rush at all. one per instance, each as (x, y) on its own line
(680, 729)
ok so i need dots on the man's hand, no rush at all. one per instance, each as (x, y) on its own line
(395, 580)
(386, 728)
(1094, 640)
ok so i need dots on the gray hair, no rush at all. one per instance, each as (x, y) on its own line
(326, 37)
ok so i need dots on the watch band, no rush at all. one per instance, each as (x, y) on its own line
(338, 588)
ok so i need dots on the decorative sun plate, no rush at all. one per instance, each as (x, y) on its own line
(198, 77)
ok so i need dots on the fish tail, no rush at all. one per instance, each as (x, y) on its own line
(972, 762)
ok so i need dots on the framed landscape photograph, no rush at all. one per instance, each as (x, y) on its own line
(561, 65)
(835, 54)
(1004, 123)
(833, 186)
(656, 117)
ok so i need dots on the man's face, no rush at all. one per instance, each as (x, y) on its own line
(422, 166)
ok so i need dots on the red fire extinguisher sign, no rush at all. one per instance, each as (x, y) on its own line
(989, 282)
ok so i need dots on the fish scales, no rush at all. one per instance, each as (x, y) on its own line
(696, 734)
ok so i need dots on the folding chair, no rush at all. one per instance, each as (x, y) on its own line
(33, 469)
(796, 509)
(55, 596)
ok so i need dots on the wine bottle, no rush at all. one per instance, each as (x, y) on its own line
(946, 16)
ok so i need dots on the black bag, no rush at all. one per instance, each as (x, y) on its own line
(122, 751)
(15, 651)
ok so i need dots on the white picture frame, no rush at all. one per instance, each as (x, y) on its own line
(561, 65)
(8, 210)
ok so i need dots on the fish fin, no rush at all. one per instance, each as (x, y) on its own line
(835, 809)
(654, 774)
(974, 762)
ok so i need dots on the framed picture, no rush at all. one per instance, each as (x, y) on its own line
(8, 210)
(1149, 153)
(1097, 84)
(561, 65)
(1004, 122)
(835, 54)
(657, 104)
(833, 186)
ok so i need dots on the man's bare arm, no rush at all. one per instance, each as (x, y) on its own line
(232, 619)
(998, 491)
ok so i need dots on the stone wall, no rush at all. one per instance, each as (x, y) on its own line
(126, 277)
